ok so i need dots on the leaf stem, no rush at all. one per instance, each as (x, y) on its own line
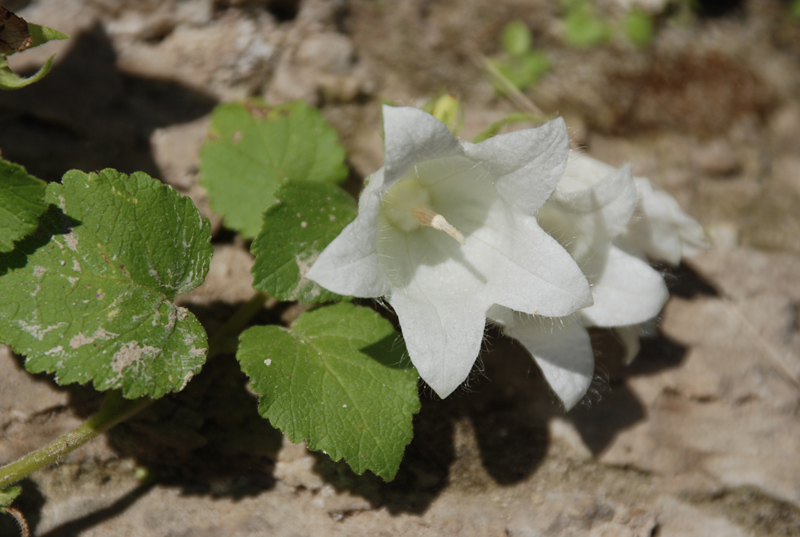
(220, 342)
(115, 408)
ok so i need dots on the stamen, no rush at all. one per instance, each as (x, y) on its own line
(427, 217)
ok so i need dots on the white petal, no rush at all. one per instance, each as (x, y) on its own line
(443, 338)
(627, 291)
(500, 315)
(527, 164)
(613, 196)
(629, 337)
(585, 218)
(582, 172)
(461, 190)
(662, 230)
(350, 265)
(412, 136)
(507, 258)
(526, 269)
(562, 350)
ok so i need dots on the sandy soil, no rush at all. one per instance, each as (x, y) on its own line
(699, 436)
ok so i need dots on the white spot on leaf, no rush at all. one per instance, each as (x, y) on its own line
(72, 241)
(54, 351)
(80, 340)
(131, 354)
(36, 330)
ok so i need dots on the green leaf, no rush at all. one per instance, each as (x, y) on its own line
(639, 27)
(89, 296)
(516, 38)
(21, 204)
(794, 9)
(43, 34)
(11, 80)
(8, 495)
(253, 148)
(338, 379)
(299, 225)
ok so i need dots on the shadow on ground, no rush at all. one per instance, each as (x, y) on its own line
(88, 115)
(76, 526)
(210, 440)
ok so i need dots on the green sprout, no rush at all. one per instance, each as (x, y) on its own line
(794, 9)
(639, 27)
(447, 109)
(582, 28)
(34, 36)
(522, 65)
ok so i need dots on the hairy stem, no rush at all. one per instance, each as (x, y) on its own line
(226, 338)
(25, 530)
(116, 409)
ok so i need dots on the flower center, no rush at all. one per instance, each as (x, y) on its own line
(407, 206)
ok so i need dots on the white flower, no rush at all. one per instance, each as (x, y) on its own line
(591, 206)
(446, 230)
(660, 228)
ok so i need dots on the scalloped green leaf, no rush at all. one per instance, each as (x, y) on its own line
(304, 219)
(253, 148)
(89, 296)
(21, 204)
(340, 380)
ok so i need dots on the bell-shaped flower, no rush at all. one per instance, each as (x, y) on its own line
(446, 230)
(591, 206)
(660, 229)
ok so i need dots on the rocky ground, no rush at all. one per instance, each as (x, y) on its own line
(699, 436)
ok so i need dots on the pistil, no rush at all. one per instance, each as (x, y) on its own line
(427, 217)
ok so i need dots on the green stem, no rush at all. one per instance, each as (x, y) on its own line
(115, 408)
(220, 342)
